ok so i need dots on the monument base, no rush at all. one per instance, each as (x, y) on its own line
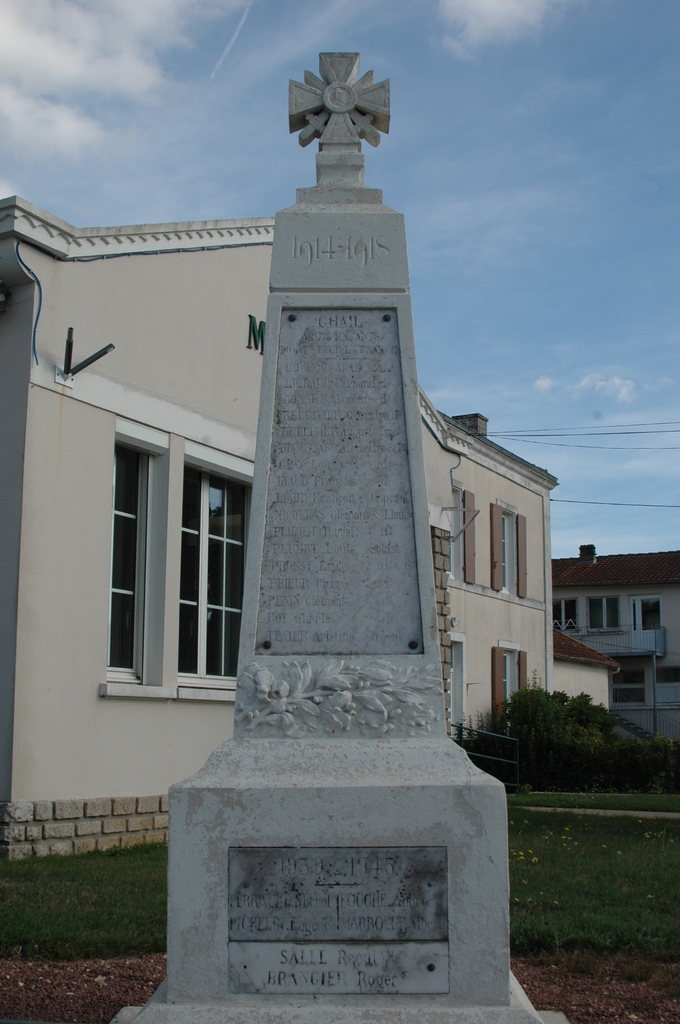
(378, 868)
(157, 1011)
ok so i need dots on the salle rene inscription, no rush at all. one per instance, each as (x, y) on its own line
(339, 524)
(345, 894)
(395, 968)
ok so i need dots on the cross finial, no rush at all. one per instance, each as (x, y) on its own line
(337, 108)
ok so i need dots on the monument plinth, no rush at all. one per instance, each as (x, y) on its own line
(340, 859)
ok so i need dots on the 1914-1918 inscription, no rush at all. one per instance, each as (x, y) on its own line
(338, 919)
(339, 538)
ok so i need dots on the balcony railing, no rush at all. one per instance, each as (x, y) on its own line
(624, 641)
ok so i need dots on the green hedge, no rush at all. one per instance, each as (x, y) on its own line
(568, 744)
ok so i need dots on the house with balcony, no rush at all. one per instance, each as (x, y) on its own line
(628, 608)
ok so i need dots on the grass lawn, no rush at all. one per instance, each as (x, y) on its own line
(607, 801)
(93, 905)
(577, 882)
(586, 882)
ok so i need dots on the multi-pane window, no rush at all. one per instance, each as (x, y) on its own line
(603, 613)
(565, 613)
(127, 559)
(211, 580)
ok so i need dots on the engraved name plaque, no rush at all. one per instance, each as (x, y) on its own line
(338, 919)
(339, 538)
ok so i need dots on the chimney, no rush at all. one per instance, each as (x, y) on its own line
(473, 422)
(586, 553)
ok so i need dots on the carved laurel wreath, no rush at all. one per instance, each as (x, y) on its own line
(335, 697)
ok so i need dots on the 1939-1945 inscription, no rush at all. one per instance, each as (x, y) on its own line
(338, 919)
(339, 537)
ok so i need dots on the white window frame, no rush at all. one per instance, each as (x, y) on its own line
(635, 606)
(510, 672)
(208, 467)
(509, 551)
(603, 598)
(456, 549)
(562, 620)
(458, 708)
(116, 673)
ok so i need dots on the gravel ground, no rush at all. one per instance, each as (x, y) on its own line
(584, 987)
(87, 991)
(589, 989)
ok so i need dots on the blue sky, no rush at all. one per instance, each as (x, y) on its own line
(533, 147)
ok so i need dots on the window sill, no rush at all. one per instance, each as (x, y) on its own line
(110, 689)
(502, 595)
(136, 691)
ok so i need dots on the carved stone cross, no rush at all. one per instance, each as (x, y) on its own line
(337, 108)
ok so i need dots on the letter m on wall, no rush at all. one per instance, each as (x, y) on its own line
(256, 334)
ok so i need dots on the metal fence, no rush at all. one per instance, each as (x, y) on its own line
(493, 753)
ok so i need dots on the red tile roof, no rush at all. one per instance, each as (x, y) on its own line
(611, 570)
(566, 646)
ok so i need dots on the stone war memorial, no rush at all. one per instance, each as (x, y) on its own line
(340, 859)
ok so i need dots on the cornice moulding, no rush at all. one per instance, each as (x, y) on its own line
(485, 452)
(26, 222)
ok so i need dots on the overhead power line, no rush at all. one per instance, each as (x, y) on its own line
(591, 428)
(602, 447)
(626, 504)
(519, 435)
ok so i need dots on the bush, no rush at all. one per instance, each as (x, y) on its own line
(568, 744)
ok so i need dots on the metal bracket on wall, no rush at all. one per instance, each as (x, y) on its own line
(66, 374)
(459, 508)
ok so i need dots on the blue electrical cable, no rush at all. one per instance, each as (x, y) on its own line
(40, 299)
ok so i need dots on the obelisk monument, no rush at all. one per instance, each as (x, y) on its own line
(340, 859)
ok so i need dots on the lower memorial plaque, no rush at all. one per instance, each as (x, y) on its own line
(338, 919)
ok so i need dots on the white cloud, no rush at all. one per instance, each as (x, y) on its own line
(41, 127)
(613, 387)
(7, 188)
(481, 21)
(56, 54)
(543, 385)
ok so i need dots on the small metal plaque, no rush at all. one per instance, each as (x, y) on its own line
(380, 968)
(339, 894)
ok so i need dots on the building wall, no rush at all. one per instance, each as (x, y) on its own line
(574, 677)
(180, 326)
(15, 327)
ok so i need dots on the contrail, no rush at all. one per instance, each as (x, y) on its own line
(232, 40)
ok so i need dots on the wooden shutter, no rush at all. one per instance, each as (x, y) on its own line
(469, 537)
(497, 688)
(496, 518)
(522, 669)
(521, 556)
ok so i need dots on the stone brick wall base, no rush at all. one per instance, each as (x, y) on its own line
(441, 557)
(63, 827)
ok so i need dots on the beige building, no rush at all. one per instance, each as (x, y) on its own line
(124, 515)
(495, 508)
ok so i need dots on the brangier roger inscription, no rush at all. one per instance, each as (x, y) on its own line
(344, 919)
(338, 567)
